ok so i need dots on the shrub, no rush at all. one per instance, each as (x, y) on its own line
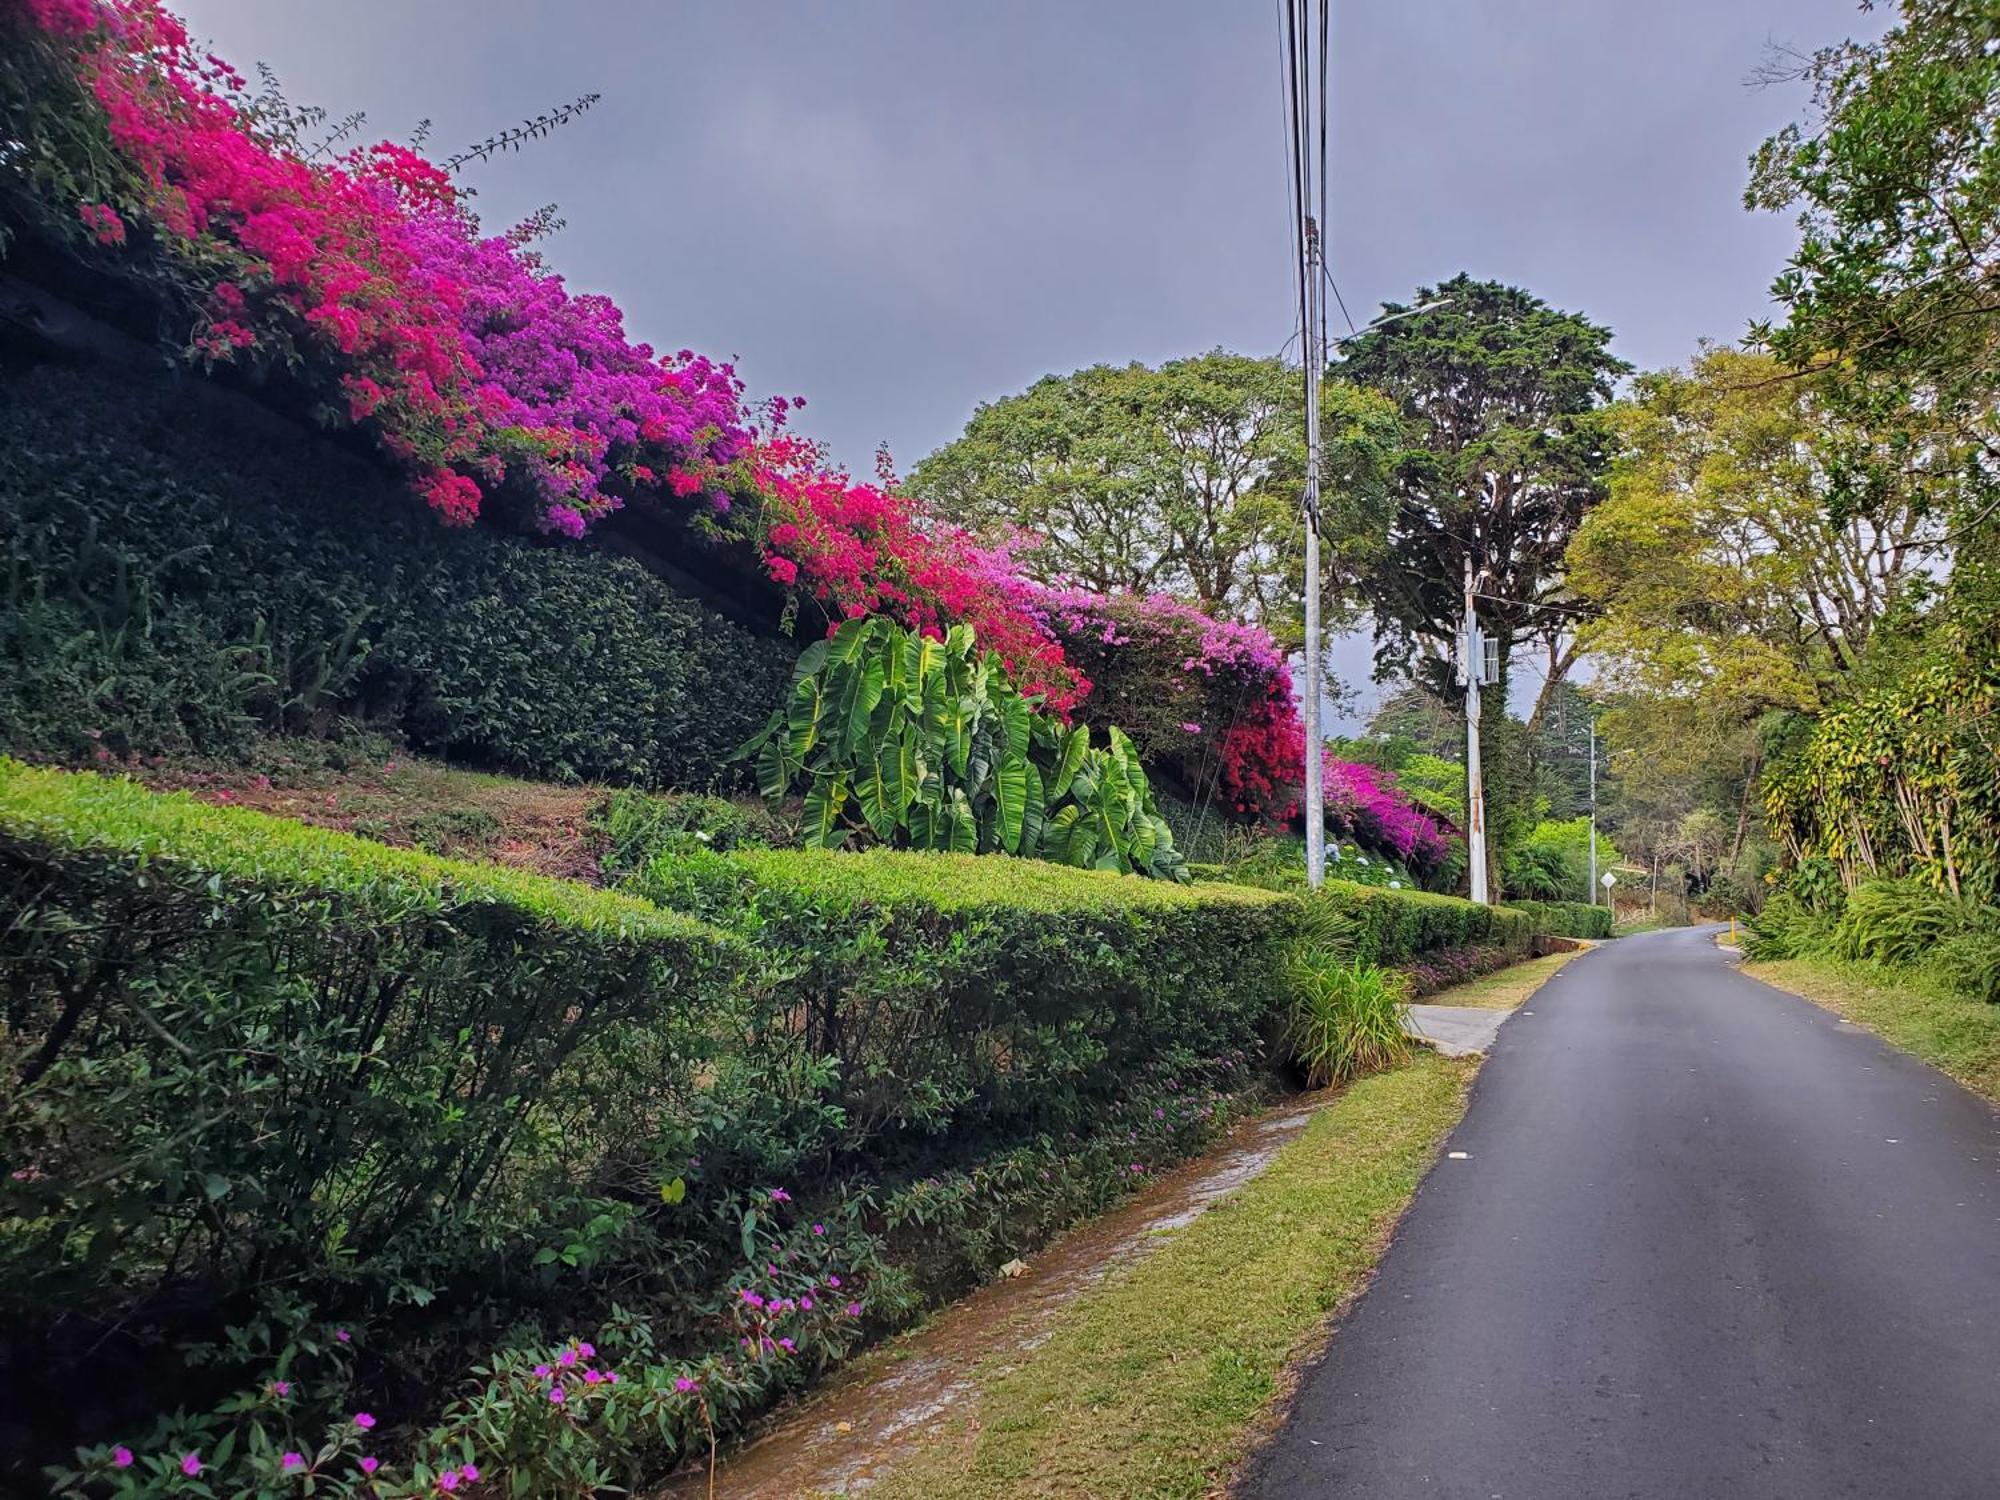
(169, 586)
(986, 998)
(247, 1057)
(927, 743)
(1577, 919)
(638, 825)
(1345, 1017)
(1392, 926)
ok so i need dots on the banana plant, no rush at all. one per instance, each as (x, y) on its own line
(924, 743)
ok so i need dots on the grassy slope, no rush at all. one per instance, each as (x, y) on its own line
(1504, 988)
(1958, 1036)
(1153, 1386)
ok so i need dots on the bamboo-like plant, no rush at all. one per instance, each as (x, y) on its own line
(925, 743)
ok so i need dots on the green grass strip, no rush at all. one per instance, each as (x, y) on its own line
(1153, 1385)
(1906, 1009)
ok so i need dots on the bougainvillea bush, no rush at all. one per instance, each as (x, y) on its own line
(361, 284)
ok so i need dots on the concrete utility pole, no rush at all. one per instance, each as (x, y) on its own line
(1315, 772)
(1593, 812)
(1474, 658)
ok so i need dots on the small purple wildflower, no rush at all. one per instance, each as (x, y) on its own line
(779, 1195)
(448, 1480)
(854, 1309)
(292, 1461)
(363, 1420)
(683, 1384)
(121, 1457)
(556, 1396)
(370, 1464)
(191, 1465)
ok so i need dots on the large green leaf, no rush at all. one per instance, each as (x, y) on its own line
(775, 769)
(808, 702)
(1034, 813)
(863, 694)
(1072, 760)
(810, 661)
(1010, 791)
(964, 827)
(1014, 719)
(825, 800)
(851, 638)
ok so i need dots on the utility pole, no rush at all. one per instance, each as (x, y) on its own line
(1315, 772)
(1593, 812)
(1474, 658)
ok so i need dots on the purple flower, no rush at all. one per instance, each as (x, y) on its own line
(292, 1461)
(121, 1457)
(370, 1464)
(191, 1465)
(543, 1371)
(448, 1480)
(363, 1420)
(566, 1358)
(779, 1195)
(751, 1298)
(281, 1388)
(788, 1346)
(683, 1384)
(819, 1229)
(805, 1304)
(588, 1351)
(341, 1334)
(591, 1377)
(471, 1473)
(833, 1281)
(854, 1309)
(556, 1395)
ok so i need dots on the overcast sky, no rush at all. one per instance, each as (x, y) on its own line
(898, 210)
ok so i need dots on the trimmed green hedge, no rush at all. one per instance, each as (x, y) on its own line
(1392, 927)
(1577, 919)
(986, 997)
(245, 1059)
(168, 585)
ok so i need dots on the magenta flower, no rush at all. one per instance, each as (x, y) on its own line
(543, 1371)
(339, 1333)
(588, 1351)
(683, 1384)
(292, 1461)
(788, 1346)
(363, 1420)
(591, 1377)
(470, 1473)
(370, 1464)
(834, 1282)
(556, 1396)
(566, 1358)
(448, 1480)
(121, 1457)
(819, 1229)
(854, 1309)
(191, 1465)
(281, 1388)
(779, 1195)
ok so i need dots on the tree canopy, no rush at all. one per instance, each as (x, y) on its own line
(1183, 479)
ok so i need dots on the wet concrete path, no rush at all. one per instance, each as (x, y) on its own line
(852, 1431)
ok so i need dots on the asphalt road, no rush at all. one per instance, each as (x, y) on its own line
(1707, 1242)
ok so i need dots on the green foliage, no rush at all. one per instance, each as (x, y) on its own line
(921, 743)
(1393, 926)
(167, 586)
(246, 1056)
(1181, 480)
(1552, 863)
(1575, 919)
(638, 825)
(1345, 1017)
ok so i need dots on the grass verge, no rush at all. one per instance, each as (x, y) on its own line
(1506, 988)
(1153, 1386)
(1909, 1010)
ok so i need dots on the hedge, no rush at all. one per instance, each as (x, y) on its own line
(1391, 926)
(278, 1079)
(983, 998)
(169, 584)
(1577, 919)
(246, 1059)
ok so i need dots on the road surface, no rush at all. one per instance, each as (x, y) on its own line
(1706, 1241)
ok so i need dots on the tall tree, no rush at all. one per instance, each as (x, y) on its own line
(1183, 479)
(1715, 567)
(1896, 178)
(1502, 398)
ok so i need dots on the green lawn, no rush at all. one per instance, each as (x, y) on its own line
(1506, 988)
(1153, 1385)
(1958, 1036)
